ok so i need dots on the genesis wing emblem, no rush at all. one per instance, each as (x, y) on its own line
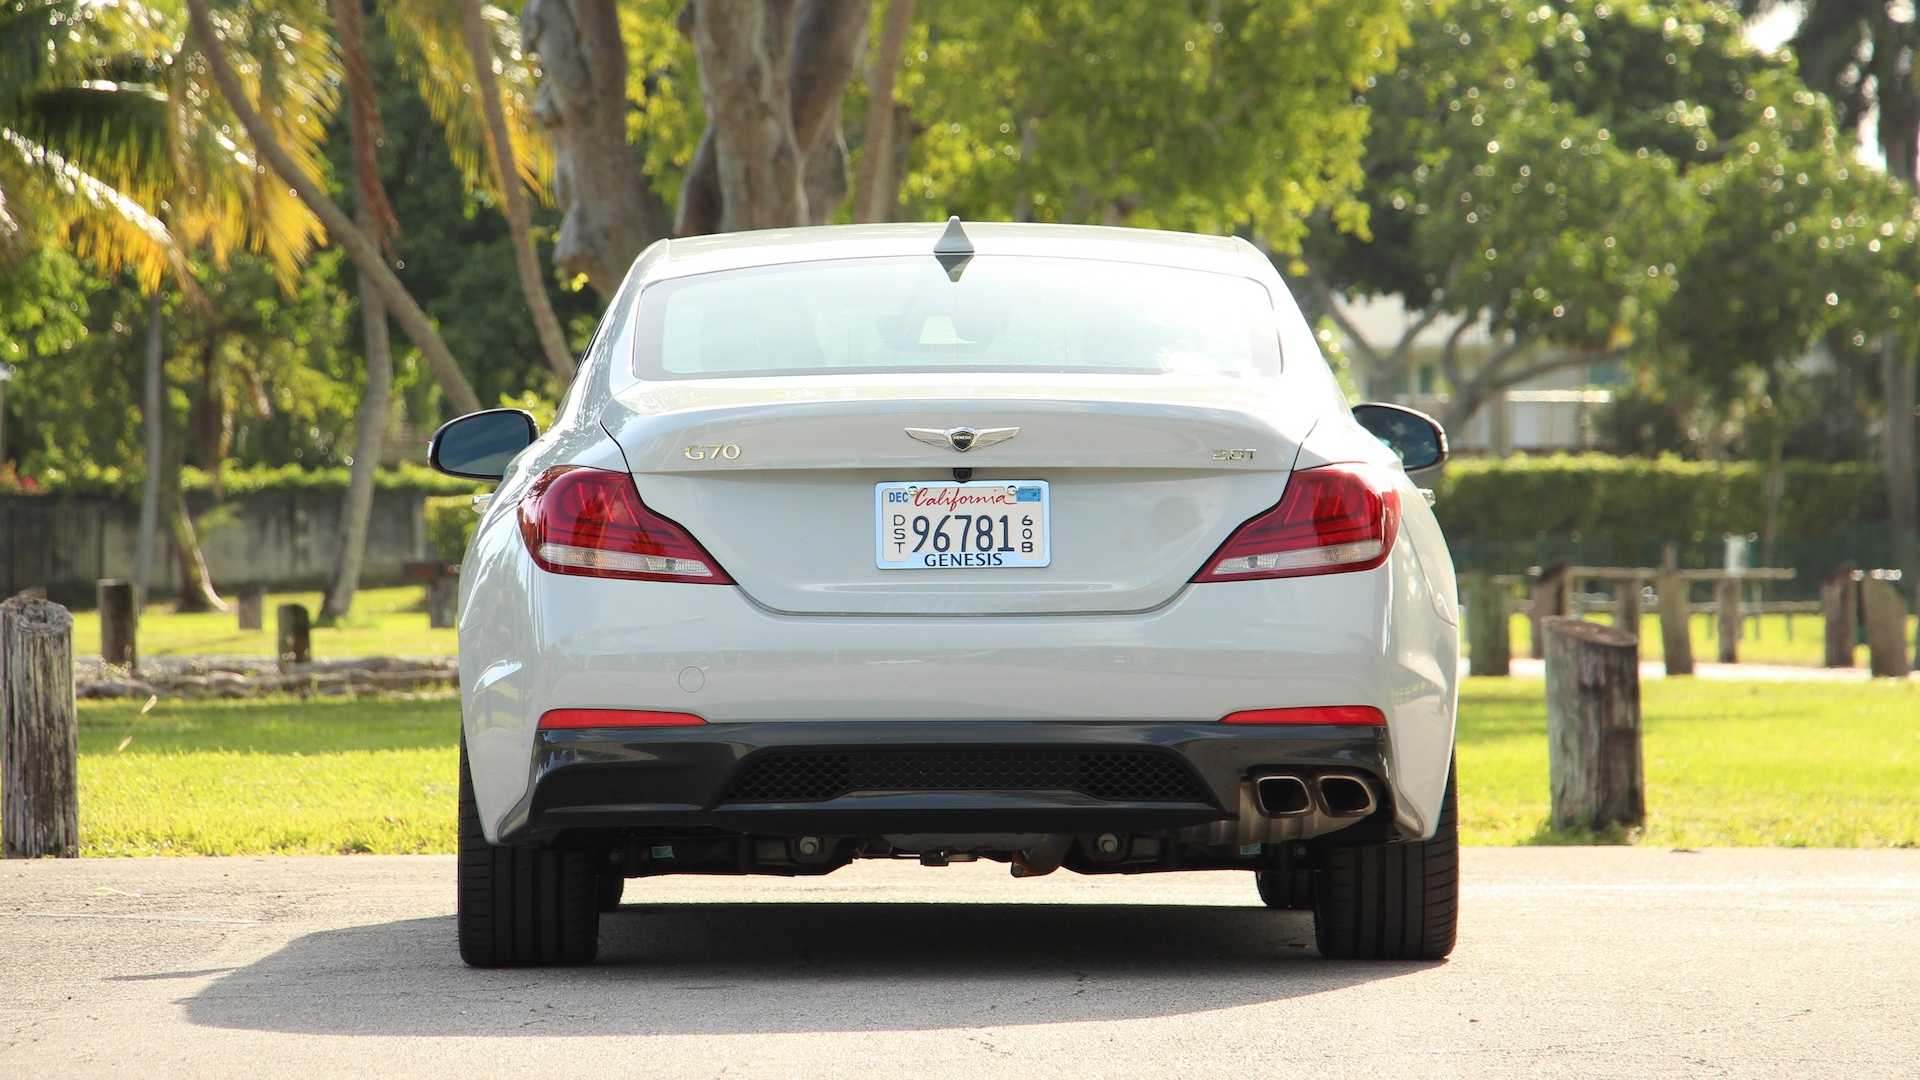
(962, 439)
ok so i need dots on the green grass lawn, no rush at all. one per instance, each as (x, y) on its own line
(384, 622)
(1816, 764)
(1769, 639)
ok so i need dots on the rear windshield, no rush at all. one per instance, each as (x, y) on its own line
(1004, 313)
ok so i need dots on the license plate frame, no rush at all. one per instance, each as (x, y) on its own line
(1024, 517)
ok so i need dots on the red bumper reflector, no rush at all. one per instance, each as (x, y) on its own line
(615, 718)
(1310, 714)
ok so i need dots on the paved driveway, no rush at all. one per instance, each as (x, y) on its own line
(1573, 962)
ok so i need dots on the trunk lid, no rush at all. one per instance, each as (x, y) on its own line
(1138, 498)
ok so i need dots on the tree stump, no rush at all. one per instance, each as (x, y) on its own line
(443, 599)
(1593, 726)
(251, 606)
(1840, 603)
(1886, 614)
(119, 623)
(1489, 644)
(1729, 614)
(39, 748)
(1550, 598)
(1676, 627)
(294, 637)
(1626, 605)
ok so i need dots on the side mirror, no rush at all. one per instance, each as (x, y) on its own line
(479, 445)
(1407, 432)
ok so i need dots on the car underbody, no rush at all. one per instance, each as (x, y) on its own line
(796, 798)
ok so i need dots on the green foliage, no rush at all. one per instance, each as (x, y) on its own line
(450, 525)
(1213, 117)
(234, 481)
(1574, 497)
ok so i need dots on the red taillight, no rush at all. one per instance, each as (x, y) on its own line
(1331, 520)
(591, 522)
(1310, 714)
(554, 719)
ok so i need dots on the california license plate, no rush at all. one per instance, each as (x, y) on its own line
(980, 523)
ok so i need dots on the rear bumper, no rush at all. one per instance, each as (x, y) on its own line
(847, 778)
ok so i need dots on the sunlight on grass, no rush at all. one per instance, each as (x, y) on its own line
(384, 622)
(1727, 763)
(1811, 764)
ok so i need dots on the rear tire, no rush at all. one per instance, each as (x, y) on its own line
(521, 906)
(1391, 901)
(1285, 888)
(612, 887)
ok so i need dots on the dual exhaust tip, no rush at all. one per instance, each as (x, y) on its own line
(1340, 795)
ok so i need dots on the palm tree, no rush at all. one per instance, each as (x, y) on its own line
(374, 214)
(481, 39)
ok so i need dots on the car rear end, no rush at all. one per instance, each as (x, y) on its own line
(1083, 606)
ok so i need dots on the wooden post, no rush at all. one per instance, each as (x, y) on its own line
(119, 623)
(1886, 612)
(1840, 601)
(1489, 644)
(443, 597)
(1729, 597)
(1626, 605)
(1549, 599)
(1676, 630)
(295, 635)
(1593, 726)
(251, 606)
(39, 749)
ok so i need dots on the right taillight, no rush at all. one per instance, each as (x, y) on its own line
(1332, 519)
(591, 522)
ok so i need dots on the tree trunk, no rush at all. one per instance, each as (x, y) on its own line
(1593, 726)
(473, 25)
(151, 419)
(758, 163)
(370, 418)
(1489, 648)
(1897, 371)
(610, 213)
(196, 584)
(39, 733)
(772, 74)
(876, 187)
(364, 252)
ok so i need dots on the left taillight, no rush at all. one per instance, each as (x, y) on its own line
(591, 523)
(1332, 519)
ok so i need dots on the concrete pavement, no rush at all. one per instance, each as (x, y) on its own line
(1573, 962)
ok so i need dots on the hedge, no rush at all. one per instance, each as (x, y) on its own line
(234, 481)
(450, 523)
(1587, 495)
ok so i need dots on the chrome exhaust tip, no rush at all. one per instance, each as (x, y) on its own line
(1282, 795)
(1345, 795)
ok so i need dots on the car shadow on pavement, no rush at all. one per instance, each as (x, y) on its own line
(738, 968)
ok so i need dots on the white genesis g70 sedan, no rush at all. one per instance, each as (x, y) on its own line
(1057, 546)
